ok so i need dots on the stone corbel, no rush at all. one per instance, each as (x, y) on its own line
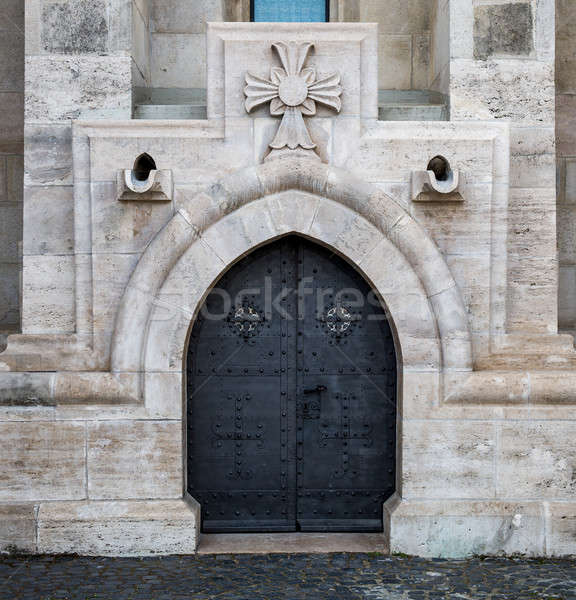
(438, 183)
(157, 187)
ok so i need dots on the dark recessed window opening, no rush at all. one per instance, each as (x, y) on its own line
(142, 167)
(441, 168)
(290, 11)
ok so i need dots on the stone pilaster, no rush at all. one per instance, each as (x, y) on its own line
(502, 68)
(78, 66)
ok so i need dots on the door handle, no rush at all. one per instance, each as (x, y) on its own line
(317, 390)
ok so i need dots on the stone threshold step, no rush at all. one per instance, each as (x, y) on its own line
(291, 543)
(170, 111)
(387, 112)
(412, 112)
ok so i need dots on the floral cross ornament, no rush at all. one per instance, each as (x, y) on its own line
(293, 90)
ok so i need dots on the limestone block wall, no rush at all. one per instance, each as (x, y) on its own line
(404, 41)
(566, 160)
(178, 42)
(11, 161)
(178, 46)
(78, 65)
(502, 68)
(488, 431)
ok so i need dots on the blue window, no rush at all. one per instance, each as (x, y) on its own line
(287, 11)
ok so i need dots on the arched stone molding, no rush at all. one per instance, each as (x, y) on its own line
(264, 220)
(211, 230)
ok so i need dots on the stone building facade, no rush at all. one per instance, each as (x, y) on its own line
(147, 162)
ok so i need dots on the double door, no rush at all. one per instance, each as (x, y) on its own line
(291, 407)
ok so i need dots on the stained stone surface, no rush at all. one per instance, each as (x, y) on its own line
(79, 87)
(286, 577)
(503, 29)
(75, 27)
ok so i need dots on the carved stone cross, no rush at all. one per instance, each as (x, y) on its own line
(293, 91)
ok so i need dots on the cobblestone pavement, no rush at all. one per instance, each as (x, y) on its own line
(284, 577)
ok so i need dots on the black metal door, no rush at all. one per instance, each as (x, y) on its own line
(291, 396)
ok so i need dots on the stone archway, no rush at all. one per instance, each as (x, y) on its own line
(214, 229)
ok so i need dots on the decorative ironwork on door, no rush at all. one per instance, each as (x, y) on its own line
(291, 404)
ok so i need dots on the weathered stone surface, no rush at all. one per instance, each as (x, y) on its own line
(389, 152)
(472, 274)
(178, 59)
(9, 296)
(48, 296)
(26, 389)
(503, 29)
(532, 293)
(433, 455)
(118, 528)
(11, 122)
(562, 528)
(532, 223)
(421, 61)
(79, 87)
(13, 13)
(192, 159)
(395, 69)
(397, 16)
(42, 461)
(51, 209)
(567, 298)
(14, 175)
(138, 459)
(565, 120)
(172, 16)
(122, 227)
(75, 27)
(512, 89)
(456, 529)
(164, 395)
(10, 231)
(48, 150)
(533, 159)
(110, 274)
(17, 528)
(537, 460)
(570, 182)
(12, 65)
(343, 229)
(460, 227)
(565, 46)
